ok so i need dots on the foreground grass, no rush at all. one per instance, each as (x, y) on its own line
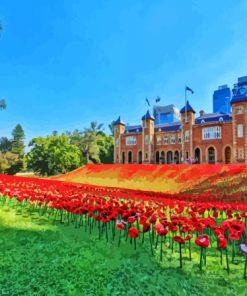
(40, 257)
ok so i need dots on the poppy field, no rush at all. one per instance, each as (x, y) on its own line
(191, 233)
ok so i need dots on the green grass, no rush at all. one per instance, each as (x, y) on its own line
(41, 257)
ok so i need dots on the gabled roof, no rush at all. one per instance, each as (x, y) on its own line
(187, 108)
(213, 117)
(118, 121)
(147, 116)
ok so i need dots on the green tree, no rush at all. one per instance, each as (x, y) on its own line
(18, 141)
(5, 144)
(87, 141)
(8, 162)
(53, 155)
(106, 148)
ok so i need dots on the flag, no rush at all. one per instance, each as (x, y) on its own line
(147, 101)
(157, 99)
(189, 89)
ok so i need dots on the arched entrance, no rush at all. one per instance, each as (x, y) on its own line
(157, 158)
(123, 157)
(169, 157)
(228, 154)
(176, 157)
(140, 157)
(211, 155)
(162, 157)
(197, 155)
(129, 157)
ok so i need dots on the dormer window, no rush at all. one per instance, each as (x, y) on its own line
(221, 119)
(137, 130)
(202, 121)
(159, 129)
(239, 110)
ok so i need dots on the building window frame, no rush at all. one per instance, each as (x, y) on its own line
(213, 132)
(240, 130)
(131, 141)
(166, 140)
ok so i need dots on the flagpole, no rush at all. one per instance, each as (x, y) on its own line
(185, 96)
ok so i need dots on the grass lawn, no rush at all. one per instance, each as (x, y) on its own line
(41, 257)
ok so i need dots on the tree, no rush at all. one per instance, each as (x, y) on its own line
(106, 148)
(18, 141)
(5, 144)
(8, 162)
(53, 155)
(111, 127)
(87, 142)
(3, 105)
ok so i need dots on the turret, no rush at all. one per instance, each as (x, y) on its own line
(148, 138)
(119, 128)
(187, 122)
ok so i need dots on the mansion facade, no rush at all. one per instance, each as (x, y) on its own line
(209, 138)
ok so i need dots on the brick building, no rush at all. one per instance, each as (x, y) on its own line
(209, 138)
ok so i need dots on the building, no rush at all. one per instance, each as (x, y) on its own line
(165, 114)
(210, 138)
(221, 99)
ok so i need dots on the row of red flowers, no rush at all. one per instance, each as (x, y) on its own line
(136, 212)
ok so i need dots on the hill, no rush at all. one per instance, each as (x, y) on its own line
(158, 178)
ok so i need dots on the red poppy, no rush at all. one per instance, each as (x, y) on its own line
(120, 225)
(222, 242)
(202, 241)
(179, 239)
(188, 237)
(131, 219)
(146, 227)
(133, 232)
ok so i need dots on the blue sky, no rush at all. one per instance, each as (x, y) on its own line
(66, 63)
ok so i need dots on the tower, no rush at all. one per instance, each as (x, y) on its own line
(148, 138)
(187, 123)
(239, 124)
(119, 128)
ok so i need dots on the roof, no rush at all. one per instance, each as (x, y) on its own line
(168, 127)
(239, 96)
(133, 129)
(147, 116)
(213, 117)
(187, 108)
(118, 121)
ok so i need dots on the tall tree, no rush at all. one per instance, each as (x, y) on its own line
(106, 148)
(87, 140)
(18, 140)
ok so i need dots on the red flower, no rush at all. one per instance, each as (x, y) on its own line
(146, 227)
(120, 225)
(179, 239)
(222, 242)
(202, 241)
(131, 219)
(133, 232)
(188, 237)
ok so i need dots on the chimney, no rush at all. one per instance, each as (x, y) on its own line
(202, 113)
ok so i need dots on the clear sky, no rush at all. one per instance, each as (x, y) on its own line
(66, 63)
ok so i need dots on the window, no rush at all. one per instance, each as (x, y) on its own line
(187, 136)
(213, 132)
(173, 140)
(159, 129)
(240, 130)
(202, 121)
(116, 142)
(166, 140)
(240, 153)
(221, 119)
(179, 139)
(146, 156)
(239, 110)
(146, 139)
(131, 140)
(158, 140)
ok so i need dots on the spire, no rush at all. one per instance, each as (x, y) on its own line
(118, 121)
(187, 108)
(147, 116)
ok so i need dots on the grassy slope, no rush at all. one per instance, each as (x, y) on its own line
(39, 257)
(161, 178)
